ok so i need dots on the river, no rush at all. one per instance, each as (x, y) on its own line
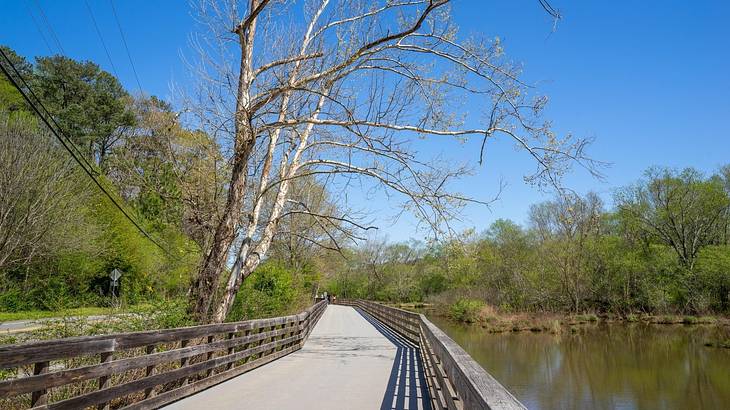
(604, 366)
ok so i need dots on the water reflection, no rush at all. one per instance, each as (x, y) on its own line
(605, 366)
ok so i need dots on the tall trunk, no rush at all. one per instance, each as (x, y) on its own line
(206, 284)
(247, 261)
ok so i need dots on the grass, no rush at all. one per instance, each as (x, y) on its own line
(470, 311)
(45, 314)
(586, 317)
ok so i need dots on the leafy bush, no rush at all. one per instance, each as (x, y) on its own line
(269, 291)
(163, 314)
(14, 300)
(713, 277)
(466, 310)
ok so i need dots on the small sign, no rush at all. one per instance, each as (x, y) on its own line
(115, 275)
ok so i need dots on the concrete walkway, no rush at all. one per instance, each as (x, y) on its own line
(347, 363)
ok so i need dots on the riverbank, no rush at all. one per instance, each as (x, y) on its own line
(473, 313)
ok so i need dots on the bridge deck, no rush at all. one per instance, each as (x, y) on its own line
(350, 361)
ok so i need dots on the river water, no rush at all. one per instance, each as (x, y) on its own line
(605, 366)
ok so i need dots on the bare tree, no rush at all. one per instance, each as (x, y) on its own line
(565, 227)
(338, 90)
(38, 188)
(303, 232)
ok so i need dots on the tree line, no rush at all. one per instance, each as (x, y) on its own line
(663, 248)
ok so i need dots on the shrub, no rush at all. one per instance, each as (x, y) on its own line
(14, 300)
(466, 310)
(269, 291)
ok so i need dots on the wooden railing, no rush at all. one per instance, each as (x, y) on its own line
(454, 379)
(144, 370)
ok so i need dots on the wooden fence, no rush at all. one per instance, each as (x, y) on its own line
(144, 370)
(454, 379)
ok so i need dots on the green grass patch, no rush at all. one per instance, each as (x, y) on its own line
(586, 317)
(83, 311)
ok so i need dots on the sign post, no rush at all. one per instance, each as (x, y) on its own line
(115, 275)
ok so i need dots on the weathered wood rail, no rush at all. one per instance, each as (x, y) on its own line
(454, 379)
(144, 370)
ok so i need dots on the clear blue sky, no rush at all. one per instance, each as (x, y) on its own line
(648, 79)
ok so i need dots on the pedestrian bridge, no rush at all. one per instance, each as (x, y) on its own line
(354, 355)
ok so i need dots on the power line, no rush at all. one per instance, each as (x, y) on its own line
(124, 40)
(550, 9)
(68, 144)
(50, 28)
(103, 43)
(38, 27)
(53, 120)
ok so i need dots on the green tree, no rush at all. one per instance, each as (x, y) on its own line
(682, 210)
(59, 236)
(90, 105)
(512, 273)
(713, 271)
(10, 98)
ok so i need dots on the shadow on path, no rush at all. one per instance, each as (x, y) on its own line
(407, 388)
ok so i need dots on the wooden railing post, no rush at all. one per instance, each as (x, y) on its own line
(106, 357)
(231, 350)
(302, 328)
(293, 331)
(211, 338)
(39, 397)
(272, 339)
(246, 345)
(185, 360)
(149, 371)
